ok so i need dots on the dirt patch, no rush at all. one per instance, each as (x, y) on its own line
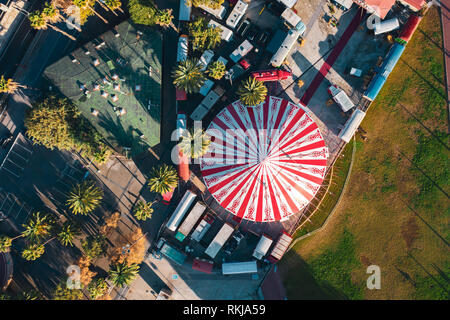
(410, 232)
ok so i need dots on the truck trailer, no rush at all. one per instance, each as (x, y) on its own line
(180, 210)
(190, 221)
(219, 240)
(239, 267)
(280, 247)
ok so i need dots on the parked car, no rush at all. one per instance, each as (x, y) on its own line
(245, 64)
(233, 243)
(235, 72)
(252, 33)
(263, 38)
(243, 28)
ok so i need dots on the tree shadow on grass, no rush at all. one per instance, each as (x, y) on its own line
(301, 284)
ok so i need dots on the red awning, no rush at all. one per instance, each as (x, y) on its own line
(202, 265)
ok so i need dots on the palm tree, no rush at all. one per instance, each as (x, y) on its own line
(113, 5)
(194, 143)
(122, 274)
(164, 18)
(68, 233)
(87, 4)
(84, 198)
(252, 92)
(38, 227)
(52, 15)
(188, 76)
(163, 179)
(8, 85)
(30, 295)
(38, 22)
(217, 70)
(97, 288)
(5, 243)
(143, 210)
(33, 252)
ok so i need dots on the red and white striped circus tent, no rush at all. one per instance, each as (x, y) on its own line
(265, 163)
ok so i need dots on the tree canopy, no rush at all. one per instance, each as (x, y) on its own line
(203, 36)
(213, 4)
(143, 12)
(56, 123)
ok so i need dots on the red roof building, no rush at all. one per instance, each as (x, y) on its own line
(379, 7)
(414, 5)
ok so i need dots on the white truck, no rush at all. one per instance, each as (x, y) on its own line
(241, 51)
(262, 247)
(341, 98)
(190, 221)
(219, 240)
(180, 210)
(202, 228)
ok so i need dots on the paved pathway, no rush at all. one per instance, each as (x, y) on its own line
(328, 63)
(445, 20)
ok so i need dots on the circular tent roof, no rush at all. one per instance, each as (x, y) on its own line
(266, 162)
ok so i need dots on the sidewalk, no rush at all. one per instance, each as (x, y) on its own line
(10, 21)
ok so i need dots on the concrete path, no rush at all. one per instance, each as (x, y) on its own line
(331, 59)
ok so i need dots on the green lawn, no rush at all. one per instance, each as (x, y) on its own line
(325, 203)
(395, 211)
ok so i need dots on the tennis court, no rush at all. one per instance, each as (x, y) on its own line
(115, 81)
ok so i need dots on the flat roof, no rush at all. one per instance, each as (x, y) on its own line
(129, 101)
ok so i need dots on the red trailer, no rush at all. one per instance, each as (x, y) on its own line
(183, 166)
(409, 27)
(271, 75)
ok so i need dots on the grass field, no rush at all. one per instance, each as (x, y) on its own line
(324, 204)
(395, 211)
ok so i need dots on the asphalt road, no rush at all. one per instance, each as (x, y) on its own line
(19, 43)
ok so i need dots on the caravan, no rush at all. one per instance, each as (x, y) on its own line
(237, 14)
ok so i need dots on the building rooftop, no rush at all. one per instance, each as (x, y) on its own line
(115, 80)
(380, 7)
